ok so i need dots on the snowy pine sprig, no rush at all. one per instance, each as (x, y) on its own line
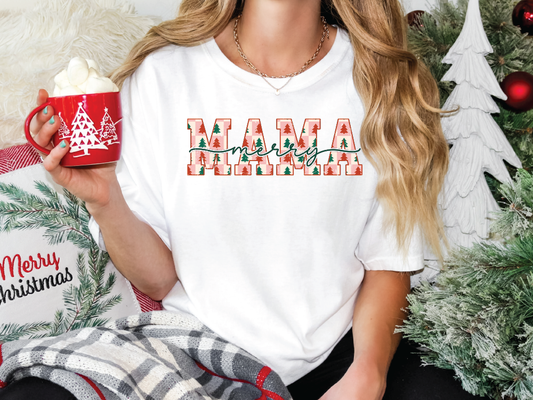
(517, 218)
(481, 330)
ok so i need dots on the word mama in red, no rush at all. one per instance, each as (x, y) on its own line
(294, 152)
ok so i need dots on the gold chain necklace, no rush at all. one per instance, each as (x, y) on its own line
(325, 33)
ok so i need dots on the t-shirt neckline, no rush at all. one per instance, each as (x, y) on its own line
(298, 82)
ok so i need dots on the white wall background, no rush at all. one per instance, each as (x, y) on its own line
(166, 9)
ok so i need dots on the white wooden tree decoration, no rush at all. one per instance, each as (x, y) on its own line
(479, 145)
(84, 134)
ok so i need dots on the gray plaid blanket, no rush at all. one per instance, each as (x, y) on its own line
(152, 356)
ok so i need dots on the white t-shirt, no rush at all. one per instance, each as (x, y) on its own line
(270, 253)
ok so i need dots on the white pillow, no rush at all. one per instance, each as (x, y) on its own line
(53, 278)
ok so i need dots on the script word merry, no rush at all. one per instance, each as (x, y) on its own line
(18, 266)
(294, 152)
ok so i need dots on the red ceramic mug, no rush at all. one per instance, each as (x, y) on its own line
(91, 123)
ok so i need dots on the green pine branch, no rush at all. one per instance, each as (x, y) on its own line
(63, 221)
(59, 325)
(10, 332)
(87, 302)
(518, 128)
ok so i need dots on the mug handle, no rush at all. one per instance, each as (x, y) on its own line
(27, 128)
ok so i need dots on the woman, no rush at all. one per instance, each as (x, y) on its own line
(275, 263)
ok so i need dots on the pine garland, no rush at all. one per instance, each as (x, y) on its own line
(477, 317)
(63, 221)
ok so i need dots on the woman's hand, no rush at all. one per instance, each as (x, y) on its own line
(380, 306)
(135, 248)
(362, 381)
(91, 184)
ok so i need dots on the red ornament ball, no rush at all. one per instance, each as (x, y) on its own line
(523, 16)
(518, 87)
(414, 19)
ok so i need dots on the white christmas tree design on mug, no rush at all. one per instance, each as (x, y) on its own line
(108, 132)
(64, 132)
(84, 136)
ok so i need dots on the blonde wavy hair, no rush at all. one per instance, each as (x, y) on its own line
(398, 92)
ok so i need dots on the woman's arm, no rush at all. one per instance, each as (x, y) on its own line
(135, 248)
(378, 310)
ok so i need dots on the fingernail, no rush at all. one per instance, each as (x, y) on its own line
(52, 120)
(45, 111)
(63, 144)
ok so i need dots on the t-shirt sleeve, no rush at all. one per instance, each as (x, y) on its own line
(378, 248)
(138, 170)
